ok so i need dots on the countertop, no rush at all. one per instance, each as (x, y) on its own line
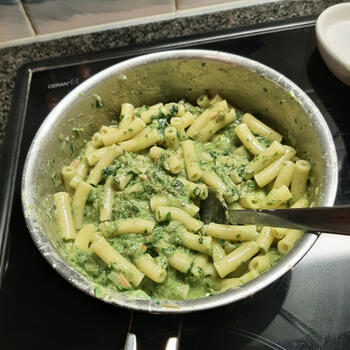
(12, 58)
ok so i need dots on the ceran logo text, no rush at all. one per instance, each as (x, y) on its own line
(71, 82)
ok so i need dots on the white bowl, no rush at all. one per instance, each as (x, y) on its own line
(333, 40)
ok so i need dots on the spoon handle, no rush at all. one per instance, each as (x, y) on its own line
(325, 219)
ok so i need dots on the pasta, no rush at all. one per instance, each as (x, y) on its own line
(269, 173)
(232, 232)
(130, 216)
(81, 171)
(96, 173)
(78, 203)
(64, 216)
(265, 238)
(218, 252)
(209, 114)
(124, 226)
(141, 142)
(238, 256)
(299, 178)
(193, 170)
(260, 263)
(168, 160)
(129, 129)
(111, 257)
(284, 176)
(180, 261)
(68, 173)
(86, 236)
(171, 139)
(126, 115)
(187, 206)
(263, 159)
(259, 128)
(215, 124)
(173, 213)
(248, 139)
(96, 155)
(235, 282)
(150, 268)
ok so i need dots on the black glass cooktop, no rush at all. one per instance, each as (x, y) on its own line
(309, 308)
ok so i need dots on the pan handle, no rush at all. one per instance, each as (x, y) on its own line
(139, 323)
(131, 343)
(172, 344)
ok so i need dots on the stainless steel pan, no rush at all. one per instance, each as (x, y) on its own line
(169, 76)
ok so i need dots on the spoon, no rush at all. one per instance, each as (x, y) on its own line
(320, 219)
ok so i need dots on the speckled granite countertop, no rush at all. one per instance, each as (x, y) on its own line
(12, 58)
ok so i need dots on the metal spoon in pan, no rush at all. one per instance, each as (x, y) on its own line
(322, 219)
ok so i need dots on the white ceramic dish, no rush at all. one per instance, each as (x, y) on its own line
(333, 40)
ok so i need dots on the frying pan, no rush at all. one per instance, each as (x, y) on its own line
(171, 76)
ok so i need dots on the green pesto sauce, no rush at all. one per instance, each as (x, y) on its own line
(134, 202)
